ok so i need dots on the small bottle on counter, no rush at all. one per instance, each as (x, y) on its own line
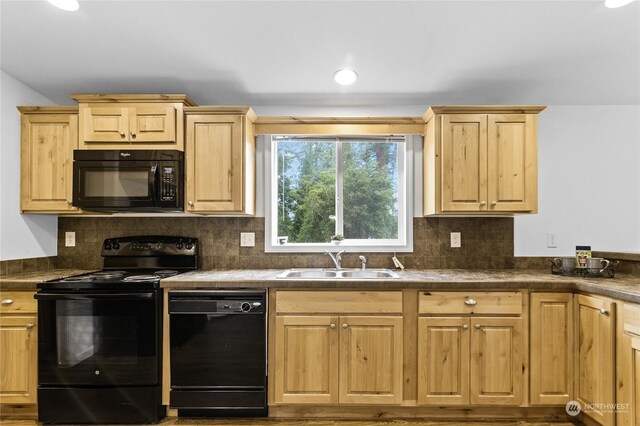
(582, 254)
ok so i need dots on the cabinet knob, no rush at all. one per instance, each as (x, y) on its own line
(333, 326)
(470, 302)
(122, 134)
(344, 325)
(190, 203)
(478, 326)
(465, 327)
(29, 326)
(493, 203)
(603, 311)
(70, 203)
(133, 134)
(483, 203)
(6, 301)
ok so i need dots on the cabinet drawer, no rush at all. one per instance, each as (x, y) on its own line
(365, 302)
(18, 302)
(632, 318)
(473, 302)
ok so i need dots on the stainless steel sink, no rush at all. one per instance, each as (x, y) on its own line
(307, 274)
(337, 274)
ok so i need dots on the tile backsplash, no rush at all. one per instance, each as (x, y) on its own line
(19, 266)
(486, 243)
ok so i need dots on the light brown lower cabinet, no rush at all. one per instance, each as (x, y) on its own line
(594, 360)
(551, 360)
(338, 359)
(628, 366)
(476, 361)
(18, 348)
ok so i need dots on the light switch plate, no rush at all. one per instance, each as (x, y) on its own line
(70, 239)
(552, 240)
(247, 239)
(456, 240)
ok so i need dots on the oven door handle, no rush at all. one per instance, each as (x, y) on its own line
(93, 296)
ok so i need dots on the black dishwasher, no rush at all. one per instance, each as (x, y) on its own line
(218, 352)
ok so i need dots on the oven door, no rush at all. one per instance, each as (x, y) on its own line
(115, 184)
(98, 338)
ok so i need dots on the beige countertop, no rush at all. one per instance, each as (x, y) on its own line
(29, 280)
(624, 287)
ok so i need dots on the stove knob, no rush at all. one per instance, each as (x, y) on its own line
(245, 307)
(179, 246)
(188, 246)
(116, 246)
(107, 246)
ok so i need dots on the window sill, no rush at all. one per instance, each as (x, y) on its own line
(344, 245)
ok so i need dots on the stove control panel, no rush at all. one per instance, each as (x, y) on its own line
(150, 246)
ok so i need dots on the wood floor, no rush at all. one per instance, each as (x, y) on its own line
(172, 421)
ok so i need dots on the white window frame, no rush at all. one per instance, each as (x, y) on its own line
(404, 243)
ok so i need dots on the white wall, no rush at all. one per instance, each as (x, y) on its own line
(21, 235)
(589, 181)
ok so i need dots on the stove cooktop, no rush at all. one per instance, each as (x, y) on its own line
(124, 280)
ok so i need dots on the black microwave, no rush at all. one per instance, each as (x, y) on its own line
(128, 180)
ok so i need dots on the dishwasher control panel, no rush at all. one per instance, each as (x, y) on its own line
(217, 302)
(238, 306)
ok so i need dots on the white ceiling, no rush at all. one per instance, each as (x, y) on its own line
(268, 53)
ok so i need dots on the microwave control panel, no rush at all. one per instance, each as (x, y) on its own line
(168, 183)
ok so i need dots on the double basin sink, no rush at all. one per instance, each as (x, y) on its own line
(337, 274)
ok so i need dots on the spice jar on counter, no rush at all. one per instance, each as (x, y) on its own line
(582, 254)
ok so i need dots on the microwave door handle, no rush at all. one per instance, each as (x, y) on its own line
(152, 182)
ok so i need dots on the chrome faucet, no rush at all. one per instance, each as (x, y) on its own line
(364, 262)
(336, 258)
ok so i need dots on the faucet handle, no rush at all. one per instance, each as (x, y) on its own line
(364, 262)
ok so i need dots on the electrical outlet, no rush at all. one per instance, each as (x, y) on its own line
(247, 239)
(70, 239)
(456, 240)
(552, 240)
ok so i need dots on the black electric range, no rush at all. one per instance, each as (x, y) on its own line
(100, 334)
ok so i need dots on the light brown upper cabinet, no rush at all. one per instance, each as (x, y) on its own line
(220, 160)
(481, 160)
(48, 137)
(132, 121)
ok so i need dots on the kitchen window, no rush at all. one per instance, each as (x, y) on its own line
(357, 187)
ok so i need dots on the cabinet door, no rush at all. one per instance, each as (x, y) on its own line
(152, 124)
(635, 377)
(371, 360)
(464, 162)
(47, 144)
(551, 348)
(214, 163)
(306, 360)
(18, 359)
(105, 124)
(594, 364)
(496, 371)
(512, 162)
(443, 361)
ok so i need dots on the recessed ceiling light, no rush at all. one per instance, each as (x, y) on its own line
(345, 76)
(612, 4)
(68, 5)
